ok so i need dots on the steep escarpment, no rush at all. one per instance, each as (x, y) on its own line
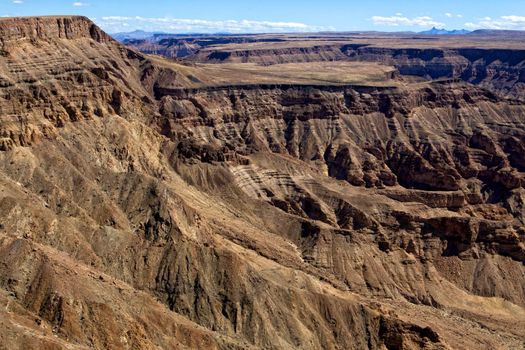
(175, 46)
(370, 137)
(136, 213)
(501, 70)
(57, 70)
(34, 29)
(399, 142)
(272, 55)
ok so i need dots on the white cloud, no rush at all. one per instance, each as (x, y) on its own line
(115, 24)
(395, 21)
(452, 15)
(18, 2)
(79, 4)
(504, 22)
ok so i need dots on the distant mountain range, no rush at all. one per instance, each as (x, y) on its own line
(436, 31)
(141, 35)
(135, 35)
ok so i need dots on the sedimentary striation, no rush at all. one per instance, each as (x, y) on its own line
(140, 211)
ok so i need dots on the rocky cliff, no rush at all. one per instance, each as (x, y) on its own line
(175, 46)
(371, 137)
(138, 213)
(502, 70)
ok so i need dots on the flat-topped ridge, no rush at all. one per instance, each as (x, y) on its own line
(49, 28)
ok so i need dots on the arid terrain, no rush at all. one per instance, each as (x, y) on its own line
(330, 191)
(492, 59)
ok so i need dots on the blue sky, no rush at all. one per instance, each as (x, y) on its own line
(280, 15)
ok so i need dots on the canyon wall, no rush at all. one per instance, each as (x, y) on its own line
(501, 70)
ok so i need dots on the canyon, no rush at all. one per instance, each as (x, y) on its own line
(286, 195)
(495, 60)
